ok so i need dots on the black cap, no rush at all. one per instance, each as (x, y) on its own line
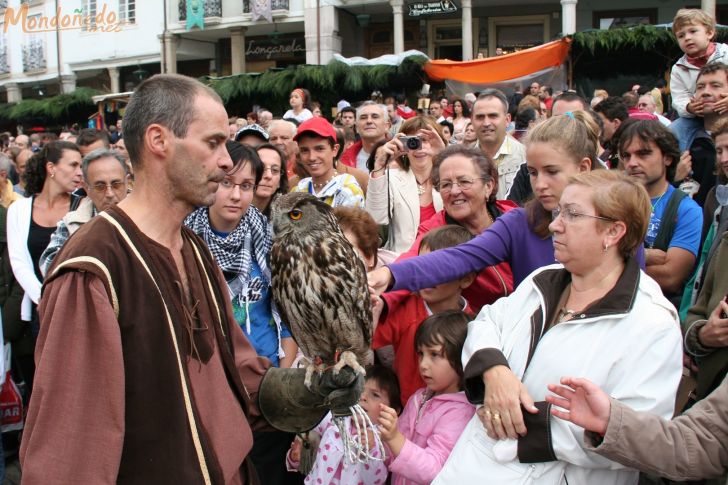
(254, 129)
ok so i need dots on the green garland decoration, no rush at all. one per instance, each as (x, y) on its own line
(53, 108)
(646, 38)
(329, 83)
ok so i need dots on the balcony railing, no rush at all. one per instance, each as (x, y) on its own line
(275, 5)
(4, 65)
(34, 55)
(213, 8)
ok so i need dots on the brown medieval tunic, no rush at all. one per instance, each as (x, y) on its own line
(76, 429)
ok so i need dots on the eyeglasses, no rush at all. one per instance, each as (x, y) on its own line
(445, 186)
(244, 187)
(273, 170)
(101, 187)
(570, 215)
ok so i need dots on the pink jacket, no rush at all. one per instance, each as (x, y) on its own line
(431, 436)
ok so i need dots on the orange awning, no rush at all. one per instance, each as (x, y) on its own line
(502, 68)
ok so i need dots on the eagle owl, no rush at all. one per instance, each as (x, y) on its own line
(319, 284)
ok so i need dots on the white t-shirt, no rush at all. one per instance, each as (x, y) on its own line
(361, 160)
(300, 117)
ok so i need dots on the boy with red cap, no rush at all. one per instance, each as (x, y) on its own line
(317, 148)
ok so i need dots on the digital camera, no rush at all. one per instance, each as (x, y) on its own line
(411, 143)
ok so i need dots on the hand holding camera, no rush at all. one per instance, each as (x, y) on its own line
(411, 143)
(391, 150)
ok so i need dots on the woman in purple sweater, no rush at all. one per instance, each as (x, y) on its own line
(556, 149)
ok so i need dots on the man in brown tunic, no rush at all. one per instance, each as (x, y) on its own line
(143, 375)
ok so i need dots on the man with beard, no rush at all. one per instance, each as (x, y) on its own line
(650, 153)
(157, 396)
(138, 344)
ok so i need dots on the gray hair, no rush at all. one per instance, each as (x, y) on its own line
(291, 125)
(494, 93)
(372, 103)
(5, 163)
(165, 99)
(98, 154)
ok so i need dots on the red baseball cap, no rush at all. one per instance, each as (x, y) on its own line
(317, 125)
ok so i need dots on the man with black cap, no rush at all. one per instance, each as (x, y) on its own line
(252, 135)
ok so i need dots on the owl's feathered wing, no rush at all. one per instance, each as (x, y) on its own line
(320, 288)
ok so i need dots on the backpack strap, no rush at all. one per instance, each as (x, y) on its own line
(668, 221)
(3, 225)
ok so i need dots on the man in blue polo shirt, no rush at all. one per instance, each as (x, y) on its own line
(650, 153)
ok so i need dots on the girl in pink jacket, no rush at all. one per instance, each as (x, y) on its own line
(420, 441)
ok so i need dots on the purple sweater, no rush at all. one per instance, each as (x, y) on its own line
(508, 239)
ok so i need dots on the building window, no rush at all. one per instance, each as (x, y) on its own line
(34, 50)
(89, 15)
(213, 8)
(379, 39)
(445, 38)
(274, 5)
(513, 34)
(127, 11)
(615, 19)
(4, 64)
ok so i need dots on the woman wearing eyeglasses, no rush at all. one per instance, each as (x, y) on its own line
(556, 149)
(595, 315)
(467, 181)
(271, 184)
(239, 237)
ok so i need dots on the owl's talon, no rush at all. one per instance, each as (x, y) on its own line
(311, 367)
(348, 358)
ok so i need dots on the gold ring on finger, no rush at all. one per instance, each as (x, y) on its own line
(496, 416)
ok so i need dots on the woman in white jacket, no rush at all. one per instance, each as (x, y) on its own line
(51, 175)
(598, 316)
(400, 191)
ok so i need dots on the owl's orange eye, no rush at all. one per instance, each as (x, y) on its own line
(295, 214)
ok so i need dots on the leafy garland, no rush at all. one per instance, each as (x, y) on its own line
(328, 83)
(647, 38)
(53, 108)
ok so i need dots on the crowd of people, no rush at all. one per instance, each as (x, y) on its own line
(545, 272)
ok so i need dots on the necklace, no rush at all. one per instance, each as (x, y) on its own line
(421, 186)
(320, 186)
(564, 313)
(658, 201)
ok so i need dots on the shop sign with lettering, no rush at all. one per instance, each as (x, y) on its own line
(270, 49)
(417, 9)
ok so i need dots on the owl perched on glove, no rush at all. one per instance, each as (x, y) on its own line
(319, 285)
